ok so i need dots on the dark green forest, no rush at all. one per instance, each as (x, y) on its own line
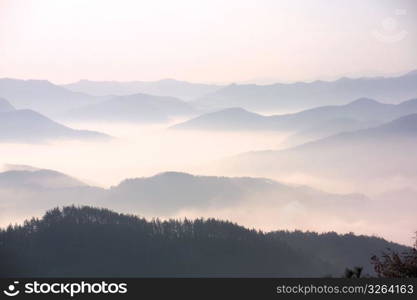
(87, 241)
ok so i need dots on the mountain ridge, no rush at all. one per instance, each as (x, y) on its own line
(26, 125)
(174, 248)
(41, 95)
(163, 87)
(303, 95)
(363, 110)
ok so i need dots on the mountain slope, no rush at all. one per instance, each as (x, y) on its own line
(133, 108)
(41, 95)
(29, 126)
(306, 95)
(28, 191)
(253, 202)
(306, 125)
(167, 87)
(227, 119)
(320, 130)
(87, 241)
(37, 178)
(362, 110)
(386, 150)
(347, 249)
(5, 105)
(171, 193)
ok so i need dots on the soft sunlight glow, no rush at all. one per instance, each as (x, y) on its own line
(211, 41)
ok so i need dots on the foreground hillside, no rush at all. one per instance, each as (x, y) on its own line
(87, 241)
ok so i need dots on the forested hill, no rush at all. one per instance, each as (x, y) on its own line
(86, 241)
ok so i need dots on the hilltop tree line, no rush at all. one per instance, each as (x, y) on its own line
(86, 241)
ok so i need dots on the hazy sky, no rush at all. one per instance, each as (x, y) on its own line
(210, 41)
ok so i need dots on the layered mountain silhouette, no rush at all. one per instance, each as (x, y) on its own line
(26, 177)
(325, 121)
(28, 126)
(30, 191)
(27, 190)
(404, 127)
(306, 125)
(228, 119)
(164, 194)
(170, 192)
(363, 110)
(133, 108)
(388, 149)
(41, 95)
(327, 128)
(167, 193)
(302, 95)
(78, 241)
(166, 87)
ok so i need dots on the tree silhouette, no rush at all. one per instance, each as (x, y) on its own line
(356, 272)
(92, 242)
(395, 265)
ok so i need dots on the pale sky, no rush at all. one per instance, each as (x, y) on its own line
(206, 41)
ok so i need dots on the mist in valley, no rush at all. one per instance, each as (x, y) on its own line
(309, 198)
(136, 150)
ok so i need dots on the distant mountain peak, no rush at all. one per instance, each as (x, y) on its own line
(232, 111)
(233, 117)
(29, 176)
(364, 101)
(164, 87)
(169, 80)
(23, 81)
(172, 174)
(235, 110)
(307, 95)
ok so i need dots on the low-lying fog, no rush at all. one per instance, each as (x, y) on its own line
(145, 150)
(136, 151)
